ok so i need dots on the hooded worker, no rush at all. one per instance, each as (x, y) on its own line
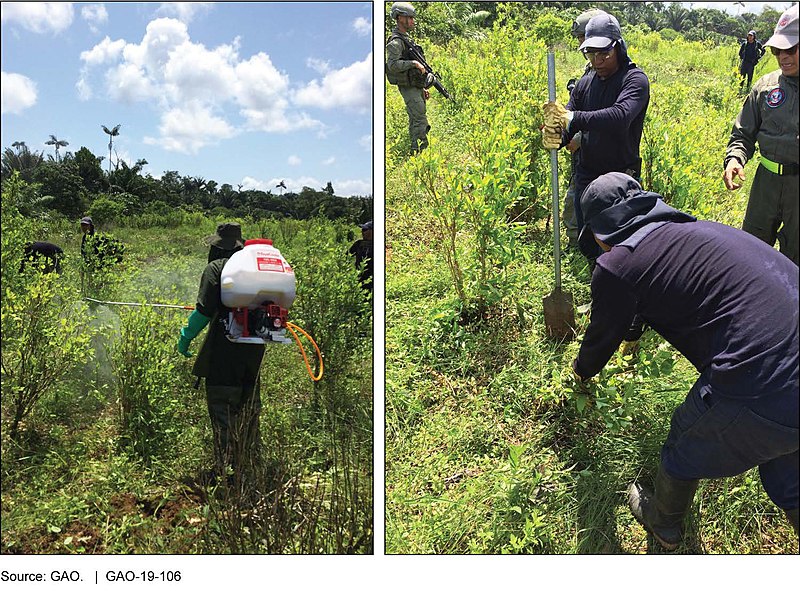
(702, 286)
(608, 106)
(231, 370)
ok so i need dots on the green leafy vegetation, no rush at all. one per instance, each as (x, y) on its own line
(489, 448)
(105, 439)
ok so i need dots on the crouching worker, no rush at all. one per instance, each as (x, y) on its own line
(703, 287)
(230, 369)
(43, 256)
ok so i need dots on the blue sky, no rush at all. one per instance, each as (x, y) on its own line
(734, 8)
(239, 93)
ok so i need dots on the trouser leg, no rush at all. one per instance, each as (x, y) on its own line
(234, 413)
(570, 221)
(762, 217)
(418, 126)
(789, 234)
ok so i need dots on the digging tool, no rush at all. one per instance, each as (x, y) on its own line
(559, 316)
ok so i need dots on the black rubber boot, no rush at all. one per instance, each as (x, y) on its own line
(792, 515)
(662, 513)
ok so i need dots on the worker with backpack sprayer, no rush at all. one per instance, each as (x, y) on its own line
(230, 368)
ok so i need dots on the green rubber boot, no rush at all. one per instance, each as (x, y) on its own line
(662, 513)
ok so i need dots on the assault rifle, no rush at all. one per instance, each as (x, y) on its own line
(415, 52)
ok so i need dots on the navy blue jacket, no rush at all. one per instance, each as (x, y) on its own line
(610, 114)
(726, 300)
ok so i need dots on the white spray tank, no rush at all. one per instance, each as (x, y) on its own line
(259, 286)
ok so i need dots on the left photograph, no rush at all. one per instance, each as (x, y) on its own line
(187, 310)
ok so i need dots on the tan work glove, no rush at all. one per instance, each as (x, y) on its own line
(551, 140)
(556, 116)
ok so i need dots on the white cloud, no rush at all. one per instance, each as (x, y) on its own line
(362, 26)
(129, 84)
(351, 187)
(365, 141)
(18, 93)
(188, 128)
(39, 17)
(350, 87)
(94, 15)
(294, 160)
(184, 11)
(84, 89)
(342, 188)
(329, 161)
(318, 65)
(170, 71)
(105, 51)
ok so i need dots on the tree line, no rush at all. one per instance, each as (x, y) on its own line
(441, 22)
(75, 184)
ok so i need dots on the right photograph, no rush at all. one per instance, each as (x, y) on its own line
(591, 282)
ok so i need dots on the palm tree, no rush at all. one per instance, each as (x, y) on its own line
(56, 143)
(676, 16)
(20, 146)
(281, 185)
(111, 133)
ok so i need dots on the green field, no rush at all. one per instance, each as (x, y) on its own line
(108, 459)
(488, 449)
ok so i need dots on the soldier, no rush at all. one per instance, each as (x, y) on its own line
(409, 75)
(769, 116)
(750, 52)
(231, 370)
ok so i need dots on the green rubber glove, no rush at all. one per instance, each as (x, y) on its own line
(196, 323)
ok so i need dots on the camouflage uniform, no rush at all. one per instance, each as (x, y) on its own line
(401, 71)
(770, 118)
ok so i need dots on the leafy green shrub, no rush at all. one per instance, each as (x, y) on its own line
(148, 379)
(105, 210)
(44, 338)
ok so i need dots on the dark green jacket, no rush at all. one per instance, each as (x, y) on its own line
(220, 361)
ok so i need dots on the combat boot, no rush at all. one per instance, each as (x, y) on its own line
(662, 513)
(793, 516)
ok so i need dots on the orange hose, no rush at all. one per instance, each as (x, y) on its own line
(291, 326)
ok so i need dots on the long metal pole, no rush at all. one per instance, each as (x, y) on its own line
(551, 92)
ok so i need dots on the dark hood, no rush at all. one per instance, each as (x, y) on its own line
(617, 210)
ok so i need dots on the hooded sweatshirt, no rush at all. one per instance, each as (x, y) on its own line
(610, 114)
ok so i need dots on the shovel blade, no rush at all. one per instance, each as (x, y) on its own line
(559, 315)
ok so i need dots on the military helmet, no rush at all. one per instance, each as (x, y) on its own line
(402, 9)
(579, 24)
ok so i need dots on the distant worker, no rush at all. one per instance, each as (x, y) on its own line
(769, 117)
(703, 287)
(750, 52)
(408, 74)
(570, 221)
(362, 251)
(97, 250)
(43, 256)
(231, 370)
